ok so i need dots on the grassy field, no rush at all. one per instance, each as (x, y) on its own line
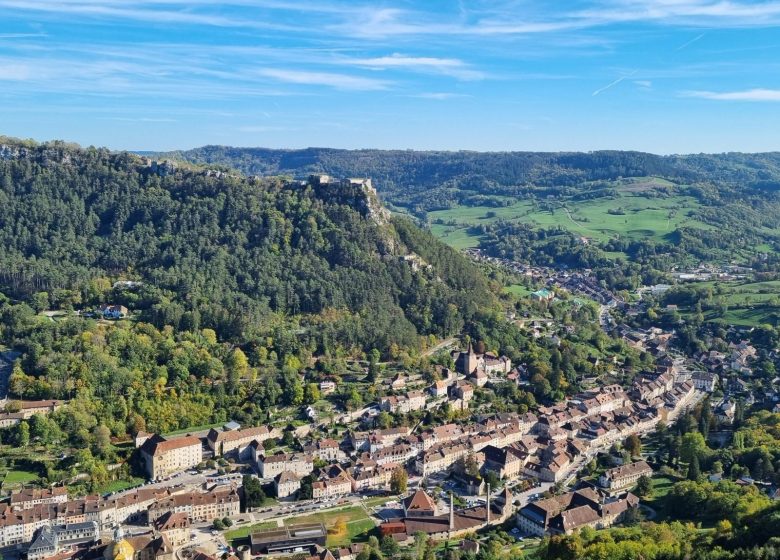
(457, 237)
(17, 477)
(357, 521)
(518, 290)
(628, 215)
(749, 303)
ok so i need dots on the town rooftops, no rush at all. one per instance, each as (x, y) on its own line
(35, 494)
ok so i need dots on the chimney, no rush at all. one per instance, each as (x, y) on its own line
(487, 505)
(452, 513)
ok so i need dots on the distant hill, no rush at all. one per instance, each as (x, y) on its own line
(215, 249)
(656, 211)
(431, 180)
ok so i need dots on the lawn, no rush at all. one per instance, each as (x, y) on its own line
(457, 237)
(661, 486)
(19, 477)
(357, 520)
(518, 290)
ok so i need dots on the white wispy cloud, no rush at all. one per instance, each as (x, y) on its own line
(646, 84)
(757, 94)
(447, 66)
(328, 79)
(505, 19)
(141, 11)
(14, 72)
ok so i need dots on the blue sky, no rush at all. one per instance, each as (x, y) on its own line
(666, 76)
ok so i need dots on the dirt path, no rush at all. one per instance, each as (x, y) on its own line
(440, 346)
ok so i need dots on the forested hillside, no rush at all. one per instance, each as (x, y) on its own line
(247, 258)
(653, 211)
(426, 180)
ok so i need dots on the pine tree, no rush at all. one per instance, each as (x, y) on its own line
(694, 470)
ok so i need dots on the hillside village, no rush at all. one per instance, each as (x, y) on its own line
(427, 453)
(524, 455)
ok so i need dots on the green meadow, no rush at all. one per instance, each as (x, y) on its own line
(749, 303)
(628, 215)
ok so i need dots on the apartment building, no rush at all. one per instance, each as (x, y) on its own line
(224, 442)
(31, 497)
(165, 457)
(325, 450)
(286, 484)
(198, 507)
(625, 476)
(298, 463)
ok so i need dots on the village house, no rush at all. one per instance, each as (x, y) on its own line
(398, 382)
(367, 475)
(24, 410)
(506, 463)
(173, 526)
(462, 390)
(340, 485)
(439, 389)
(403, 404)
(108, 311)
(705, 381)
(325, 450)
(327, 387)
(399, 453)
(470, 362)
(50, 540)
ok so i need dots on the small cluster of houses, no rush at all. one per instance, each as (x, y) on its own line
(545, 447)
(46, 517)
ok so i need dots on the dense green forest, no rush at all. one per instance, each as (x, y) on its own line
(217, 250)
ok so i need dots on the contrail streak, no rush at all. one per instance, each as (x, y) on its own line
(689, 43)
(613, 84)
